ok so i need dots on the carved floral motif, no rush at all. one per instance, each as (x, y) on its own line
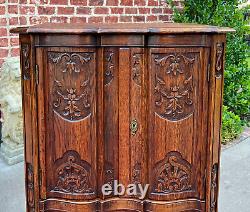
(174, 87)
(109, 174)
(137, 61)
(219, 59)
(109, 67)
(172, 174)
(25, 49)
(214, 181)
(30, 187)
(72, 90)
(72, 175)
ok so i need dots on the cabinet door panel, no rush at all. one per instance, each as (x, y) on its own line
(67, 92)
(178, 96)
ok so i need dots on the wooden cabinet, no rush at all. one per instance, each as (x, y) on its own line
(136, 103)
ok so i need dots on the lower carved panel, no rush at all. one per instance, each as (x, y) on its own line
(72, 175)
(30, 188)
(172, 174)
(214, 188)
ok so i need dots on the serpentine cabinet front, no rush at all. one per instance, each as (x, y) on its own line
(135, 114)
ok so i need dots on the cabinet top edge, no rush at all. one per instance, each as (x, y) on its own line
(138, 28)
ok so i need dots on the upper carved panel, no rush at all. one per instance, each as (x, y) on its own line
(173, 91)
(25, 52)
(109, 66)
(172, 174)
(72, 87)
(137, 66)
(72, 175)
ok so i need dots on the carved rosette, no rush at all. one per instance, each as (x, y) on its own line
(172, 174)
(25, 55)
(174, 86)
(108, 67)
(72, 175)
(219, 59)
(30, 188)
(72, 84)
(214, 181)
(137, 65)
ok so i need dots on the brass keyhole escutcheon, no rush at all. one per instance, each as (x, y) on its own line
(133, 126)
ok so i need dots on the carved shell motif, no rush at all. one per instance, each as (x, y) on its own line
(72, 175)
(172, 174)
(174, 87)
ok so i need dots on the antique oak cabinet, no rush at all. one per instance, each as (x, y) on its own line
(136, 103)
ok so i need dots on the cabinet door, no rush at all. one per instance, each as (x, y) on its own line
(178, 105)
(67, 122)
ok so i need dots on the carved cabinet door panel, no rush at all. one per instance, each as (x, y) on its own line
(67, 122)
(178, 107)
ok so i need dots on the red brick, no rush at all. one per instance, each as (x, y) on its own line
(3, 53)
(2, 10)
(12, 9)
(139, 18)
(22, 20)
(46, 10)
(139, 2)
(79, 2)
(14, 52)
(125, 19)
(38, 19)
(96, 2)
(164, 18)
(80, 20)
(61, 19)
(44, 1)
(131, 10)
(14, 41)
(13, 21)
(27, 10)
(23, 1)
(65, 10)
(152, 2)
(111, 19)
(3, 32)
(151, 18)
(112, 2)
(9, 1)
(127, 2)
(156, 10)
(3, 21)
(3, 42)
(62, 2)
(95, 19)
(144, 10)
(83, 10)
(118, 10)
(101, 10)
(167, 11)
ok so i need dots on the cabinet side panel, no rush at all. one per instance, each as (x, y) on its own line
(27, 58)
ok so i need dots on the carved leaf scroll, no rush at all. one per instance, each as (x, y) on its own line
(30, 187)
(174, 86)
(219, 59)
(137, 63)
(172, 174)
(214, 180)
(72, 84)
(25, 52)
(109, 67)
(72, 175)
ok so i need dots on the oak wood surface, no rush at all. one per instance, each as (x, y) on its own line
(141, 107)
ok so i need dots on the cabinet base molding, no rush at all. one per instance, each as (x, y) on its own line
(122, 204)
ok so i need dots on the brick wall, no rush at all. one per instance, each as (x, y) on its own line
(28, 12)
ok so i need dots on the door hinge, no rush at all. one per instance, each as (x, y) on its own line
(37, 74)
(208, 72)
